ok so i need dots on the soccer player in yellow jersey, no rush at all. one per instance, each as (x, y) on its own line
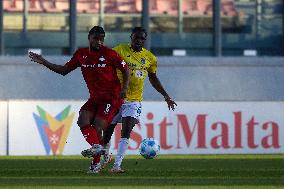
(141, 63)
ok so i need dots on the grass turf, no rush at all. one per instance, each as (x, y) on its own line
(167, 171)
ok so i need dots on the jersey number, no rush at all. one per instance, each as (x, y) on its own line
(107, 108)
(139, 73)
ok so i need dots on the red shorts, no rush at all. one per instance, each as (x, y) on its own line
(105, 111)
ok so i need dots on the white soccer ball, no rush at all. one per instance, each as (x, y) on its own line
(149, 148)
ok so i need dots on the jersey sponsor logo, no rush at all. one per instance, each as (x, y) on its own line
(131, 64)
(102, 59)
(139, 74)
(94, 65)
(123, 63)
(54, 130)
(143, 60)
(101, 65)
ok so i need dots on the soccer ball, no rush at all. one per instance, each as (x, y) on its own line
(149, 148)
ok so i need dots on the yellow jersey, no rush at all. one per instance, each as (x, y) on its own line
(140, 64)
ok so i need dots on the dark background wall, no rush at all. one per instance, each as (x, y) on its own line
(185, 78)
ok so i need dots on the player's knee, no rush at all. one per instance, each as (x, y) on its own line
(108, 133)
(85, 118)
(110, 129)
(126, 130)
(81, 122)
(100, 124)
(106, 139)
(125, 133)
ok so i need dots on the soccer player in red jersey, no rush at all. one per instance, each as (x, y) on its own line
(98, 65)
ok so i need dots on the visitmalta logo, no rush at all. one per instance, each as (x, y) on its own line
(54, 130)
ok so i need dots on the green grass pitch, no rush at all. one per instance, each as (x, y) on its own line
(167, 171)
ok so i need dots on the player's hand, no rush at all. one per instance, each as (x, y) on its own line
(171, 103)
(36, 58)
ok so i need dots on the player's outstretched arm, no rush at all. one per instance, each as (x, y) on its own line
(63, 70)
(155, 82)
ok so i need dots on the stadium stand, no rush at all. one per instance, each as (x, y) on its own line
(123, 14)
(157, 7)
(241, 20)
(37, 6)
(227, 7)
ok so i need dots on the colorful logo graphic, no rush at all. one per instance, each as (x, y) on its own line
(54, 130)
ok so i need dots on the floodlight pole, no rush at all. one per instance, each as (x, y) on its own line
(1, 29)
(25, 17)
(101, 13)
(217, 30)
(145, 22)
(283, 27)
(72, 26)
(180, 17)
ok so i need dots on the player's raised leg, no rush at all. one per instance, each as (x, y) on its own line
(104, 115)
(107, 157)
(85, 120)
(127, 125)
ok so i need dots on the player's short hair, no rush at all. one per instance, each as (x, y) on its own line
(139, 29)
(96, 29)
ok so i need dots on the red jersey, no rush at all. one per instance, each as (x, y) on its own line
(99, 72)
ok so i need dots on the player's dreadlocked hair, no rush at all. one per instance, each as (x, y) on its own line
(139, 29)
(96, 29)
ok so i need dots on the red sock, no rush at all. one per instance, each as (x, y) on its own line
(90, 134)
(101, 142)
(97, 158)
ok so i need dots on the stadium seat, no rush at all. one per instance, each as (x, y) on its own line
(62, 5)
(165, 7)
(94, 6)
(228, 8)
(35, 6)
(110, 6)
(127, 6)
(13, 5)
(161, 7)
(204, 6)
(6, 5)
(83, 6)
(49, 6)
(189, 7)
(87, 6)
